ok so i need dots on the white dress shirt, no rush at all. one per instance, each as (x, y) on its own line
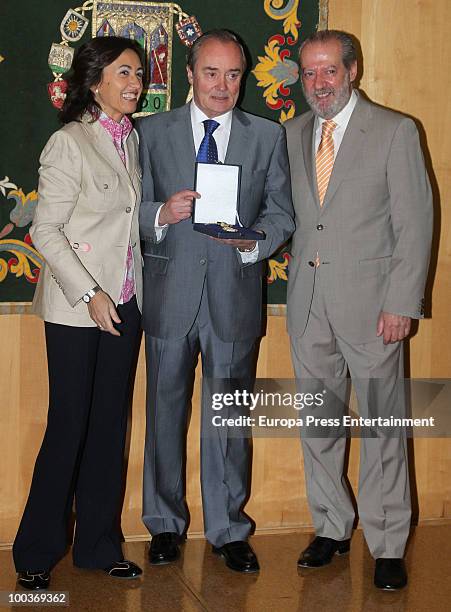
(341, 119)
(221, 133)
(221, 136)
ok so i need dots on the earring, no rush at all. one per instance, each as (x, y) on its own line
(96, 92)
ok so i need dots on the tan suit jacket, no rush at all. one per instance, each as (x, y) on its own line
(373, 232)
(87, 212)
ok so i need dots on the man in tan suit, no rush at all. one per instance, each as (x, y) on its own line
(360, 259)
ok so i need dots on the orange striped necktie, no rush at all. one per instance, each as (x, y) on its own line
(325, 158)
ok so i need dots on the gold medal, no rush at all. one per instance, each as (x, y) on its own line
(227, 227)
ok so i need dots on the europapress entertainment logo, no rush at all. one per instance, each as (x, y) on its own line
(325, 408)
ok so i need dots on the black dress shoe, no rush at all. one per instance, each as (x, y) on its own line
(34, 581)
(321, 551)
(123, 569)
(164, 548)
(390, 574)
(238, 556)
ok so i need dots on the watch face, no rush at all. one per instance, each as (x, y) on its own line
(86, 298)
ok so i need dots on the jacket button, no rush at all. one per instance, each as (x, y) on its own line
(128, 209)
(311, 263)
(105, 186)
(202, 261)
(320, 227)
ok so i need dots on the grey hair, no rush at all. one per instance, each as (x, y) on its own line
(348, 47)
(225, 36)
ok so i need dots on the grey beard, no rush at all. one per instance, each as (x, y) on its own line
(341, 99)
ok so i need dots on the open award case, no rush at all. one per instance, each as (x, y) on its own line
(215, 213)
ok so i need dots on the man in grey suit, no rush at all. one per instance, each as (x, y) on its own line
(204, 295)
(360, 258)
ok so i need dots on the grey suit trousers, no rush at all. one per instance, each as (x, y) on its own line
(224, 459)
(321, 358)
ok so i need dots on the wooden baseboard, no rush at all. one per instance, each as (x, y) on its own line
(197, 535)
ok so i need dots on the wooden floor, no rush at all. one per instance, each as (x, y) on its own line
(199, 581)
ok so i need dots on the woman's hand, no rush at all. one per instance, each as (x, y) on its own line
(103, 313)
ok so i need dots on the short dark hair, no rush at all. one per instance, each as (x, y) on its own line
(89, 61)
(225, 36)
(348, 47)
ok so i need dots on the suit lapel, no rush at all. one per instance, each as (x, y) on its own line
(350, 147)
(239, 147)
(104, 144)
(180, 139)
(308, 136)
(131, 146)
(240, 139)
(131, 153)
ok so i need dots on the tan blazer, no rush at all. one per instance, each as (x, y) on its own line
(87, 211)
(373, 232)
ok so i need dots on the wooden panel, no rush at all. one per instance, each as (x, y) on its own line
(278, 498)
(406, 46)
(346, 15)
(406, 49)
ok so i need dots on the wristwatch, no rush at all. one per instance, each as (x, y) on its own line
(90, 294)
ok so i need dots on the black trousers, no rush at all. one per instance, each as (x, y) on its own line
(83, 447)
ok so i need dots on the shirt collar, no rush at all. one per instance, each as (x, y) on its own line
(118, 131)
(342, 118)
(198, 116)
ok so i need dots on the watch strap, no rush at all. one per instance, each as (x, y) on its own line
(91, 293)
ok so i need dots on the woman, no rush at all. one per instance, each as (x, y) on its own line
(89, 295)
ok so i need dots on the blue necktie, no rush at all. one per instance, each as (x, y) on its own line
(208, 151)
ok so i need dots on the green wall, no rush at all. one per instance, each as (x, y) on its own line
(27, 30)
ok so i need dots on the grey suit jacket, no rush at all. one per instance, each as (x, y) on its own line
(176, 268)
(373, 232)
